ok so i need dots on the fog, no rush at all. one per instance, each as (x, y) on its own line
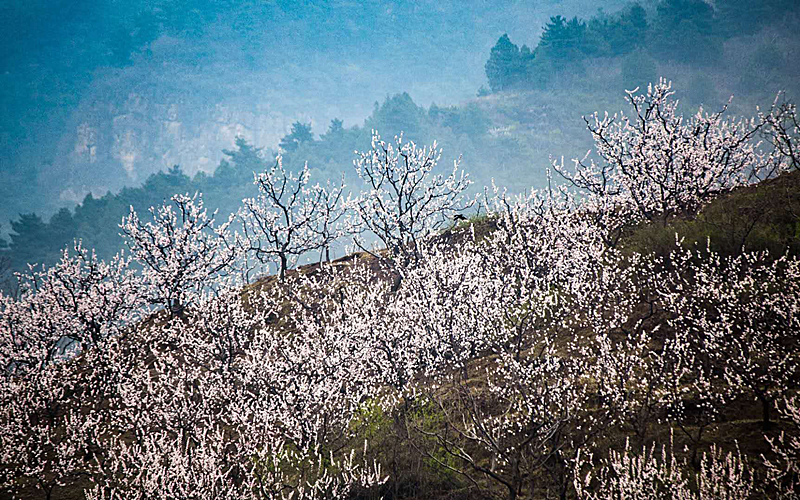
(89, 86)
(101, 95)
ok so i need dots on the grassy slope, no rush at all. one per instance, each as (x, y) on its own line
(760, 217)
(755, 218)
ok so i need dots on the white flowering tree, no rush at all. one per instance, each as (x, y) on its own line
(67, 308)
(740, 314)
(525, 410)
(180, 251)
(290, 217)
(648, 475)
(405, 200)
(44, 435)
(783, 471)
(48, 397)
(222, 405)
(656, 163)
(781, 132)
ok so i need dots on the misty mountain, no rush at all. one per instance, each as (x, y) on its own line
(107, 100)
(98, 95)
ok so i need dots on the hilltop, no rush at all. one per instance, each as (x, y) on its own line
(632, 328)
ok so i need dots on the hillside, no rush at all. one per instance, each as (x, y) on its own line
(631, 330)
(99, 96)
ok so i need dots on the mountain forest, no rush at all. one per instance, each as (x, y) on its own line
(582, 281)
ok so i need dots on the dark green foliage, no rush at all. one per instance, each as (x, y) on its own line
(335, 129)
(301, 132)
(673, 13)
(565, 41)
(399, 113)
(62, 228)
(617, 35)
(8, 285)
(631, 29)
(745, 16)
(684, 31)
(174, 180)
(754, 218)
(29, 240)
(95, 221)
(680, 36)
(238, 168)
(563, 47)
(506, 66)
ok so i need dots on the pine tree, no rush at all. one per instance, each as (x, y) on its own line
(301, 132)
(505, 66)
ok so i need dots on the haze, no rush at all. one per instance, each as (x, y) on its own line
(102, 95)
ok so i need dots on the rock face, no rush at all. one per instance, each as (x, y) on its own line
(110, 143)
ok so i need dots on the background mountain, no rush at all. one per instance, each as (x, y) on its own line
(102, 100)
(99, 95)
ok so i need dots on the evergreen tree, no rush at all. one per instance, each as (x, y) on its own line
(506, 64)
(62, 228)
(685, 32)
(636, 18)
(301, 132)
(239, 165)
(627, 31)
(29, 240)
(399, 113)
(6, 277)
(564, 40)
(164, 184)
(336, 127)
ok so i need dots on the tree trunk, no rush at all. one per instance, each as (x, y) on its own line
(175, 307)
(284, 265)
(516, 480)
(512, 493)
(765, 411)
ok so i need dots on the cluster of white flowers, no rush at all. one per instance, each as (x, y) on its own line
(530, 344)
(630, 476)
(655, 163)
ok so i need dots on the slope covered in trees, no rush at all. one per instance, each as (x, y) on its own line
(249, 66)
(685, 39)
(630, 332)
(87, 95)
(503, 136)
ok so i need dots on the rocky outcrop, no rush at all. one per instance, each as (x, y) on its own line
(138, 120)
(110, 144)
